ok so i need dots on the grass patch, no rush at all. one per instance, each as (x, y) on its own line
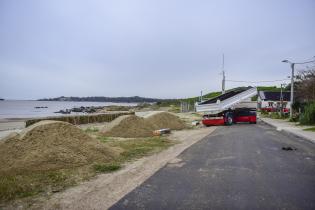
(308, 116)
(14, 186)
(25, 185)
(137, 148)
(91, 130)
(175, 109)
(103, 139)
(310, 129)
(105, 168)
(274, 115)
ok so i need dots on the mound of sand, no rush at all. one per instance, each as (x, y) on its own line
(130, 127)
(134, 126)
(166, 120)
(115, 122)
(50, 145)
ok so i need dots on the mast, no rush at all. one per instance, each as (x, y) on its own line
(223, 73)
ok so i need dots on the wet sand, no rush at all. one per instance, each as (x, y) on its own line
(8, 126)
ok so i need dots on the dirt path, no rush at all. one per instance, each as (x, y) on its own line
(106, 189)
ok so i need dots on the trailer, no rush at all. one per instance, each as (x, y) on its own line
(232, 107)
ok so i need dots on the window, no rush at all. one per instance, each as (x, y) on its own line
(242, 113)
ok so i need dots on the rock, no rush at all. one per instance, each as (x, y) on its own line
(288, 148)
(66, 111)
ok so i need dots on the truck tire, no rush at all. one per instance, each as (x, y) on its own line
(229, 120)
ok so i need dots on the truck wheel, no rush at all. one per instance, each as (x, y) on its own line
(229, 120)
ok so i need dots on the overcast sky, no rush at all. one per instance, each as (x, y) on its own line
(151, 48)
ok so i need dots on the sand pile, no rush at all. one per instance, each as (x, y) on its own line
(130, 127)
(166, 120)
(109, 126)
(134, 126)
(50, 145)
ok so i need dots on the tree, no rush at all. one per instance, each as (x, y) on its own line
(305, 86)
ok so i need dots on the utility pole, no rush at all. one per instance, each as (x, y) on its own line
(292, 90)
(223, 79)
(281, 102)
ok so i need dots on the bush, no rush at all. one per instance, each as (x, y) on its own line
(308, 116)
(105, 168)
(295, 117)
(277, 115)
(274, 115)
(264, 112)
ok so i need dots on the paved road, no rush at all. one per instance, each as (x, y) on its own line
(237, 167)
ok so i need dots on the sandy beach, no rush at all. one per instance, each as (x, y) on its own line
(11, 124)
(8, 126)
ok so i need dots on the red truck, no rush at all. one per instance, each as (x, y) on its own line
(228, 117)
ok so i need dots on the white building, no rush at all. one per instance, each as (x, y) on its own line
(271, 101)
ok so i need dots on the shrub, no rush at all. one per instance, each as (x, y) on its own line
(274, 115)
(295, 117)
(308, 116)
(264, 112)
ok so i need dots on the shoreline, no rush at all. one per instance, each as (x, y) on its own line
(19, 110)
(8, 126)
(12, 123)
(4, 120)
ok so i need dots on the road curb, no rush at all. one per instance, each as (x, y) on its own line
(287, 132)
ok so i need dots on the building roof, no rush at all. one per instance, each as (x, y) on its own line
(274, 96)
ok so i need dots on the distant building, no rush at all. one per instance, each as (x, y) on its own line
(271, 101)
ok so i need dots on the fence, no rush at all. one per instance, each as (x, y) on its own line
(186, 107)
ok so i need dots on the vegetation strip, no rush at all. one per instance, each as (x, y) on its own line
(34, 183)
(82, 119)
(310, 129)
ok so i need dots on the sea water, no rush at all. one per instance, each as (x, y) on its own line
(26, 108)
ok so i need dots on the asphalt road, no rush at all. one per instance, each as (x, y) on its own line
(236, 167)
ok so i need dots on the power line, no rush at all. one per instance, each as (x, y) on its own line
(278, 80)
(312, 59)
(309, 60)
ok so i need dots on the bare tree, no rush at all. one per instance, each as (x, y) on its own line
(305, 85)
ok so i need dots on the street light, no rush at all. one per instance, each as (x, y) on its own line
(292, 85)
(292, 81)
(281, 100)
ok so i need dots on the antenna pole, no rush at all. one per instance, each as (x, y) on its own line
(201, 96)
(223, 79)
